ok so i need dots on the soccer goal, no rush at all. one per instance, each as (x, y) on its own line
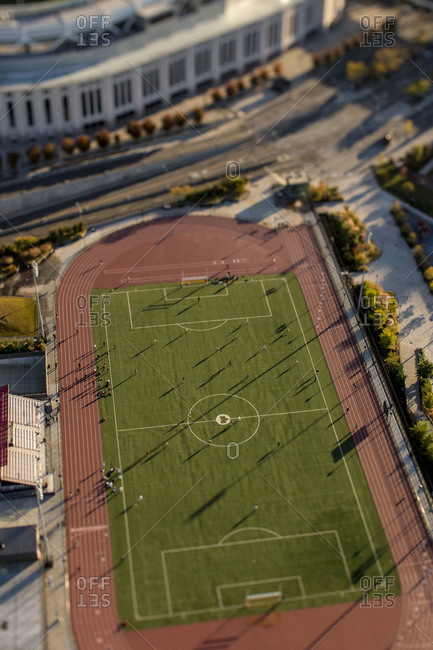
(194, 279)
(267, 599)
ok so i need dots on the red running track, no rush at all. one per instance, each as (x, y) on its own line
(198, 244)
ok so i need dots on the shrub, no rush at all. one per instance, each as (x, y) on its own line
(405, 229)
(33, 154)
(198, 114)
(411, 238)
(133, 129)
(167, 122)
(13, 159)
(103, 138)
(408, 188)
(49, 150)
(149, 126)
(217, 95)
(420, 257)
(83, 142)
(180, 119)
(428, 274)
(395, 208)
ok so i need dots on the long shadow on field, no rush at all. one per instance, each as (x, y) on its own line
(241, 521)
(186, 309)
(205, 359)
(174, 340)
(141, 351)
(195, 454)
(216, 374)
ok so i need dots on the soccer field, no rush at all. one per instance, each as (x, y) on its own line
(249, 478)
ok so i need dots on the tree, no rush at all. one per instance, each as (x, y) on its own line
(278, 68)
(231, 89)
(387, 339)
(83, 142)
(180, 119)
(149, 126)
(33, 154)
(167, 122)
(198, 114)
(254, 80)
(13, 158)
(133, 129)
(264, 74)
(356, 71)
(68, 145)
(408, 188)
(103, 138)
(420, 434)
(49, 150)
(217, 95)
(241, 85)
(425, 368)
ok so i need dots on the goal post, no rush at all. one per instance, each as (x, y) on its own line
(194, 279)
(267, 599)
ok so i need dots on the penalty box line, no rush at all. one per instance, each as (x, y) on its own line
(244, 542)
(244, 417)
(182, 323)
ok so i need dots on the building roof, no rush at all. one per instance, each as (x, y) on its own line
(163, 39)
(22, 447)
(18, 543)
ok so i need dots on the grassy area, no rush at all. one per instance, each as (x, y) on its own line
(18, 316)
(215, 409)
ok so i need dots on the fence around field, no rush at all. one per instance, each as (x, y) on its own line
(398, 420)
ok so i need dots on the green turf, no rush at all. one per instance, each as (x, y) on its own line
(198, 544)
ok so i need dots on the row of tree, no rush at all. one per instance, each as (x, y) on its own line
(135, 128)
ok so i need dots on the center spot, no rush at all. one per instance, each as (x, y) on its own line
(222, 419)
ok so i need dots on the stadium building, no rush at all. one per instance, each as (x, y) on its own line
(76, 65)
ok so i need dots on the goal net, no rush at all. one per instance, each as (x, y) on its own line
(263, 600)
(194, 279)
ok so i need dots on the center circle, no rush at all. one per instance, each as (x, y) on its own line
(210, 424)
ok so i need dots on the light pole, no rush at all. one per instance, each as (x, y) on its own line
(363, 270)
(35, 270)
